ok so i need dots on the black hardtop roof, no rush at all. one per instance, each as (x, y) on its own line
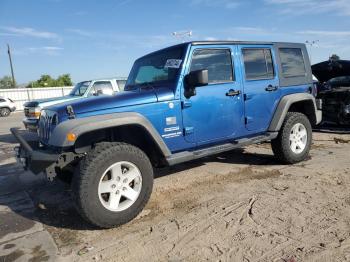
(233, 42)
(226, 42)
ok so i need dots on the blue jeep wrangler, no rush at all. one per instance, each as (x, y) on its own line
(180, 103)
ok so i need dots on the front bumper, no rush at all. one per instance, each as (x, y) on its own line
(32, 156)
(31, 124)
(13, 109)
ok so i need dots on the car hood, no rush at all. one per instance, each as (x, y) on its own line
(50, 101)
(327, 70)
(121, 99)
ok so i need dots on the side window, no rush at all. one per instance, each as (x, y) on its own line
(217, 61)
(103, 87)
(121, 84)
(258, 63)
(2, 100)
(292, 62)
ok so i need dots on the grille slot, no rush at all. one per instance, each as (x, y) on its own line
(26, 111)
(47, 123)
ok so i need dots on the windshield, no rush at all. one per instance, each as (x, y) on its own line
(162, 67)
(80, 88)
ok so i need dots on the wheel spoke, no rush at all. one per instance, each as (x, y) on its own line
(132, 174)
(114, 200)
(130, 193)
(300, 145)
(105, 186)
(303, 133)
(293, 146)
(116, 170)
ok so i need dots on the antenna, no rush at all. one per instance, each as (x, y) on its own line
(182, 35)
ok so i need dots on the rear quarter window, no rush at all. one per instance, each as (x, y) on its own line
(292, 62)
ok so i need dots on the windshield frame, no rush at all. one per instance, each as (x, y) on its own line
(130, 83)
(77, 87)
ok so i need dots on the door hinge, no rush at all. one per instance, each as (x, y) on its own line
(188, 130)
(245, 120)
(245, 97)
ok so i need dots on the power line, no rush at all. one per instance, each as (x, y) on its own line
(13, 75)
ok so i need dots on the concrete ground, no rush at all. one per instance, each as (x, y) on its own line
(238, 206)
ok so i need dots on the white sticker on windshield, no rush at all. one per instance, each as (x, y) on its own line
(173, 63)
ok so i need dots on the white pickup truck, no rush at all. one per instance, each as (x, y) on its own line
(81, 90)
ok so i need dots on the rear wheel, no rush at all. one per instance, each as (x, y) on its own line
(294, 139)
(112, 184)
(5, 111)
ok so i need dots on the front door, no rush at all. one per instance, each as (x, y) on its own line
(261, 86)
(214, 113)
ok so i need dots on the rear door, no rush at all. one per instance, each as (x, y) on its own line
(261, 86)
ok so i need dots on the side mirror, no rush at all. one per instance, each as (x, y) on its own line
(195, 79)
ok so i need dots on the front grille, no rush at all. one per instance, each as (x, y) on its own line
(47, 122)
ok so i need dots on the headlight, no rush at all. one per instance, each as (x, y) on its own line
(34, 112)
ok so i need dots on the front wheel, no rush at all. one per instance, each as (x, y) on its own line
(293, 142)
(5, 111)
(112, 184)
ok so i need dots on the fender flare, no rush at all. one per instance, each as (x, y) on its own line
(283, 108)
(80, 126)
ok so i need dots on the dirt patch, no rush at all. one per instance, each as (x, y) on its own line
(183, 199)
(38, 255)
(339, 140)
(9, 246)
(12, 256)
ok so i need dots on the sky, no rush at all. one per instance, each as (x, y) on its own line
(95, 39)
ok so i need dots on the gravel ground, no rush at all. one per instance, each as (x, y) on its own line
(238, 206)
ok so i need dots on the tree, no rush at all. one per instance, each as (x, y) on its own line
(64, 80)
(48, 81)
(6, 82)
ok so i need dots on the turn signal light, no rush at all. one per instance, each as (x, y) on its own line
(71, 137)
(35, 114)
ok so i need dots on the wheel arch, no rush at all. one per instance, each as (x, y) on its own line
(132, 128)
(300, 102)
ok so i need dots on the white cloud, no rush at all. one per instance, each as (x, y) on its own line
(325, 33)
(81, 32)
(299, 7)
(31, 32)
(47, 50)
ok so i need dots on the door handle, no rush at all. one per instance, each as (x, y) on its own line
(232, 92)
(271, 88)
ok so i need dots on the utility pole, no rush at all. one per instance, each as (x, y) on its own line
(311, 44)
(13, 75)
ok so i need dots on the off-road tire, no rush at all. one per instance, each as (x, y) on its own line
(88, 174)
(281, 145)
(5, 112)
